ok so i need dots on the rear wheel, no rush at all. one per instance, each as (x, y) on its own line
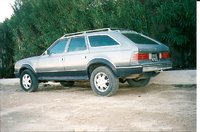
(103, 81)
(67, 83)
(28, 81)
(138, 82)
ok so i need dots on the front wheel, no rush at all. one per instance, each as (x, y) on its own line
(103, 81)
(28, 81)
(138, 83)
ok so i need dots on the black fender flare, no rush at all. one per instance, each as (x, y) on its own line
(104, 62)
(26, 66)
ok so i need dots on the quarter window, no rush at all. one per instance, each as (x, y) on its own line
(59, 47)
(101, 40)
(77, 44)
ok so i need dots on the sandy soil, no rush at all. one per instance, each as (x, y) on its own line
(54, 108)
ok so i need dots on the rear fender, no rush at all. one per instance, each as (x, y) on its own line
(101, 61)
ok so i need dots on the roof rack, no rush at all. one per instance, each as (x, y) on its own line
(91, 31)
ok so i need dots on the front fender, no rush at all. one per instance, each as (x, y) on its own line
(26, 66)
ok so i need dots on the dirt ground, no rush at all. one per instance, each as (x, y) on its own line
(54, 108)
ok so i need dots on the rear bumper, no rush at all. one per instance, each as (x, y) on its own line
(126, 71)
(157, 67)
(139, 69)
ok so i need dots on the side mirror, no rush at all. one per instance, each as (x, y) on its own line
(46, 52)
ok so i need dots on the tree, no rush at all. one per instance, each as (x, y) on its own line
(6, 50)
(178, 20)
(36, 24)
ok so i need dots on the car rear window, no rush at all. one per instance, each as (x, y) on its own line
(139, 39)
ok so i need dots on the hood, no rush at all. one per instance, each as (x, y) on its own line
(29, 60)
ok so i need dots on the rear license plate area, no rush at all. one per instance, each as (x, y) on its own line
(154, 57)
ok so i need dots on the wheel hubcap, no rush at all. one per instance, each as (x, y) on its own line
(26, 81)
(101, 82)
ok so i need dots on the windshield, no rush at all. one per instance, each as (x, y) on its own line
(139, 39)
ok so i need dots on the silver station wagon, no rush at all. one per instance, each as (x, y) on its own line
(105, 57)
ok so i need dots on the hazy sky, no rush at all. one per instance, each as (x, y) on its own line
(5, 9)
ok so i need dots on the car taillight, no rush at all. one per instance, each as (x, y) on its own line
(165, 55)
(141, 56)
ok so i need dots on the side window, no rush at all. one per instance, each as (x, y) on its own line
(77, 44)
(59, 47)
(101, 40)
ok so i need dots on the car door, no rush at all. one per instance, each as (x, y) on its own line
(51, 64)
(76, 57)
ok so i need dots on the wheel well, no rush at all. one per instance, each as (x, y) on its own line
(94, 66)
(22, 69)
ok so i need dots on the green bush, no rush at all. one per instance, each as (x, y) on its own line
(36, 24)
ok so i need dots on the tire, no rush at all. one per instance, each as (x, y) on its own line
(67, 83)
(103, 81)
(28, 81)
(138, 83)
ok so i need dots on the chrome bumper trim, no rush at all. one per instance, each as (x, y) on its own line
(157, 67)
